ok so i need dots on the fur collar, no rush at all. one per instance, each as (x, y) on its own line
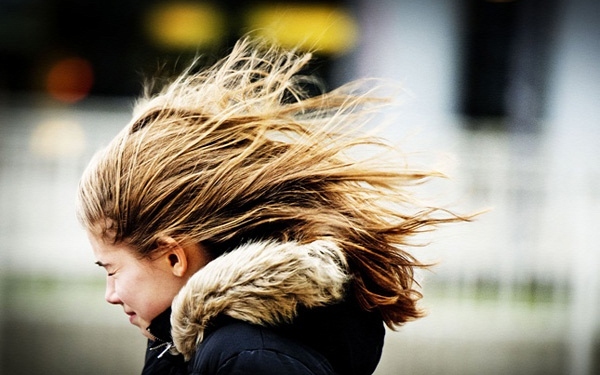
(261, 283)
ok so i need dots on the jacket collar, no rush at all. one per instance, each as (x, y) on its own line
(160, 328)
(261, 283)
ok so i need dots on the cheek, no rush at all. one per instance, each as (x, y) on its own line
(130, 288)
(125, 290)
(145, 293)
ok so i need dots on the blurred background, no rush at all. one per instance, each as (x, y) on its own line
(504, 94)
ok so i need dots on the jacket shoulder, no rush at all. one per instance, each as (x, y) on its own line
(242, 348)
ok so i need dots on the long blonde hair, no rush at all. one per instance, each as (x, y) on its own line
(239, 152)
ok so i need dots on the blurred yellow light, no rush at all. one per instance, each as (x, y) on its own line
(184, 25)
(57, 138)
(323, 28)
(70, 79)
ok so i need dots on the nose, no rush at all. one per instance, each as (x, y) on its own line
(111, 295)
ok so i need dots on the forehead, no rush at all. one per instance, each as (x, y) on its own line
(104, 249)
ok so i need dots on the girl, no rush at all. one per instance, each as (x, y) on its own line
(240, 236)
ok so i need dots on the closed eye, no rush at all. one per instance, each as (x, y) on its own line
(105, 266)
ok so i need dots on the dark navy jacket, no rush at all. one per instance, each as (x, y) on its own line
(339, 339)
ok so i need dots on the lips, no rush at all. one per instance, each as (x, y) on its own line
(131, 315)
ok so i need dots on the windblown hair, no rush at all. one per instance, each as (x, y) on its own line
(239, 152)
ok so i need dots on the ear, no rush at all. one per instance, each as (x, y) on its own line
(174, 256)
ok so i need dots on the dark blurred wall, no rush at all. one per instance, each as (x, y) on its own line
(507, 47)
(113, 37)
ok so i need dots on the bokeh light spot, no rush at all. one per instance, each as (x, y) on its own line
(70, 79)
(55, 138)
(323, 28)
(184, 25)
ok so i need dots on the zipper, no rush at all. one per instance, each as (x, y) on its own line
(166, 344)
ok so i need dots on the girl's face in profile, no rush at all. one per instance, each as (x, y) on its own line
(143, 287)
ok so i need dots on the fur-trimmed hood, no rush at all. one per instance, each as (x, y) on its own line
(261, 283)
